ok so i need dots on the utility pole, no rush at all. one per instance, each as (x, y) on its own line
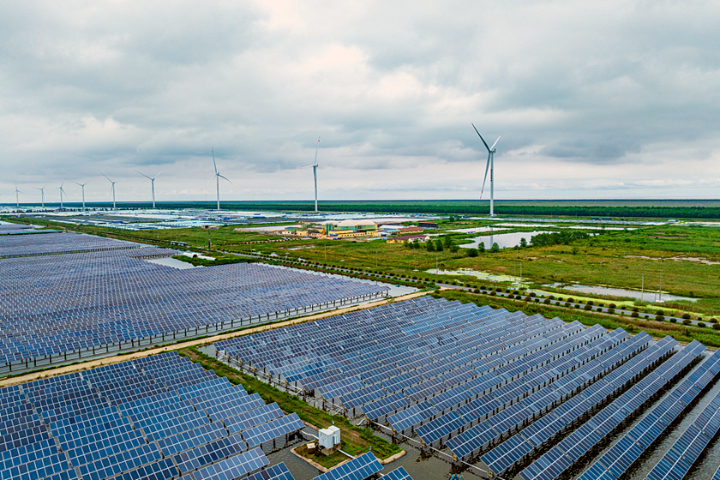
(642, 289)
(660, 288)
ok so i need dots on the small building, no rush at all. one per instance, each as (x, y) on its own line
(351, 228)
(410, 230)
(426, 225)
(408, 238)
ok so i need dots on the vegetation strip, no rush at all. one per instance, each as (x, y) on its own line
(357, 440)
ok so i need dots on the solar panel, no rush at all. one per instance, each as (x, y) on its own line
(358, 468)
(276, 472)
(398, 474)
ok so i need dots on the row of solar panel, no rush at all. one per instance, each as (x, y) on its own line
(361, 468)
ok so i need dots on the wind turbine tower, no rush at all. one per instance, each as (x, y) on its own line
(217, 179)
(491, 166)
(61, 195)
(42, 195)
(314, 167)
(113, 188)
(17, 198)
(152, 180)
(82, 185)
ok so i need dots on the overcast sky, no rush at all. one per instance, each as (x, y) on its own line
(594, 99)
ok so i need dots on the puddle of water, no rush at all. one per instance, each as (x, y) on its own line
(172, 262)
(477, 274)
(504, 240)
(653, 297)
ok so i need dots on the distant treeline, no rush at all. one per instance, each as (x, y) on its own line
(583, 208)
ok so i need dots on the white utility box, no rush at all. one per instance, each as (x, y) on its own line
(329, 438)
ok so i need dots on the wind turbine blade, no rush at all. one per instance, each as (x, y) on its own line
(221, 176)
(214, 165)
(493, 145)
(143, 175)
(158, 174)
(307, 166)
(487, 167)
(483, 140)
(316, 149)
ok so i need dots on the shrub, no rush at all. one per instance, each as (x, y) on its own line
(532, 294)
(687, 322)
(598, 309)
(686, 316)
(672, 320)
(716, 326)
(567, 304)
(476, 291)
(472, 252)
(570, 299)
(635, 314)
(611, 310)
(546, 301)
(612, 305)
(635, 309)
(712, 320)
(590, 302)
(551, 297)
(702, 325)
(588, 307)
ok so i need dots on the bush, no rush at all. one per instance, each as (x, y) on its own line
(532, 294)
(588, 307)
(611, 310)
(590, 302)
(612, 305)
(635, 314)
(702, 325)
(686, 316)
(472, 252)
(567, 304)
(551, 297)
(635, 309)
(546, 301)
(716, 326)
(712, 320)
(672, 320)
(687, 322)
(570, 299)
(598, 309)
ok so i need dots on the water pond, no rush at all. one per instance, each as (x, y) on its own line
(504, 240)
(647, 296)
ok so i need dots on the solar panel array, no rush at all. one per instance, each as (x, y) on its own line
(85, 301)
(398, 474)
(53, 243)
(690, 445)
(358, 468)
(157, 417)
(487, 384)
(582, 441)
(620, 458)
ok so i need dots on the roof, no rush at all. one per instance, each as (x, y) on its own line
(355, 223)
(407, 237)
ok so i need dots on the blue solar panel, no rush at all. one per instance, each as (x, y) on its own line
(276, 472)
(359, 468)
(398, 474)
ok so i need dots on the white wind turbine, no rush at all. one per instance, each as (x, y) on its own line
(17, 198)
(217, 179)
(42, 195)
(62, 190)
(152, 179)
(314, 167)
(113, 188)
(82, 185)
(490, 165)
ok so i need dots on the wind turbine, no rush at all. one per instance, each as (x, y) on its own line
(83, 192)
(113, 188)
(152, 179)
(490, 165)
(61, 194)
(42, 195)
(17, 198)
(217, 179)
(314, 167)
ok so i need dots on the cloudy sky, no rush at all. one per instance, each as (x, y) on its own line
(594, 99)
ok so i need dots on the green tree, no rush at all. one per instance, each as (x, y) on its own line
(495, 248)
(438, 246)
(429, 246)
(481, 247)
(523, 242)
(454, 248)
(447, 241)
(472, 252)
